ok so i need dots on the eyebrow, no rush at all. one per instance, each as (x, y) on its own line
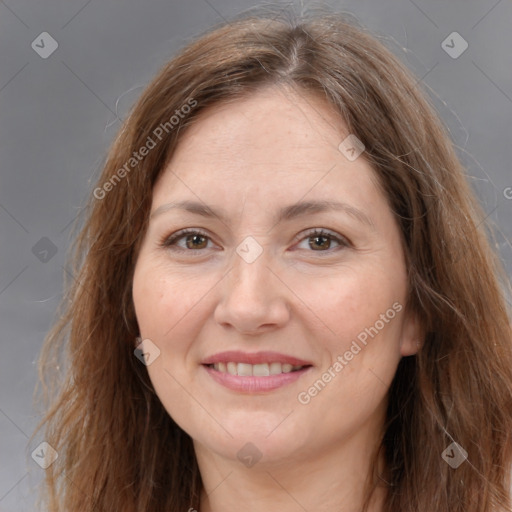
(284, 214)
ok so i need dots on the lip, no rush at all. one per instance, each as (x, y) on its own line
(254, 358)
(255, 384)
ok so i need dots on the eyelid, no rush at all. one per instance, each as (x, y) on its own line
(168, 241)
(342, 240)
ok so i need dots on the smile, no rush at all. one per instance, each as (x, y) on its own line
(256, 370)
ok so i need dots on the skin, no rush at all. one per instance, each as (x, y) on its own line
(248, 159)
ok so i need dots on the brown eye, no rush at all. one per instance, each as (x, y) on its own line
(193, 240)
(321, 241)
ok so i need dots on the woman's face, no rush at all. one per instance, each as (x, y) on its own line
(280, 314)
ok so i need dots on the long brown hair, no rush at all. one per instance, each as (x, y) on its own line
(119, 449)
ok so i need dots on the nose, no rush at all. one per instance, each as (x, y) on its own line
(254, 298)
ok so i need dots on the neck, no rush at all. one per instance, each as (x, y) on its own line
(333, 479)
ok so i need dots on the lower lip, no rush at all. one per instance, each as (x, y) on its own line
(255, 384)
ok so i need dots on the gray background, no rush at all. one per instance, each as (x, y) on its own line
(59, 114)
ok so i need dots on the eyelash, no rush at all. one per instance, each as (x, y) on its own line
(169, 242)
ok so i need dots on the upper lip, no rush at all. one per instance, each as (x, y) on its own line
(254, 358)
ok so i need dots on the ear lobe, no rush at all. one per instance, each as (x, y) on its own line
(412, 337)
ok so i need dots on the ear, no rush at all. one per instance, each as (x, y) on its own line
(412, 336)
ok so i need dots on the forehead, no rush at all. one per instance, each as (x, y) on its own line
(276, 139)
(274, 124)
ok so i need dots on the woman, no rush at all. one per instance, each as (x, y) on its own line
(285, 298)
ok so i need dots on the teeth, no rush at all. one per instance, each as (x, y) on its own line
(257, 370)
(275, 368)
(245, 370)
(261, 370)
(287, 368)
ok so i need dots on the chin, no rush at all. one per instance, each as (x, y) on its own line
(253, 438)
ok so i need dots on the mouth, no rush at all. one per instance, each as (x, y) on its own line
(255, 372)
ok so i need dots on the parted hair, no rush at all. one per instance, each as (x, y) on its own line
(119, 450)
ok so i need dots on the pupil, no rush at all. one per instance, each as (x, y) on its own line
(316, 238)
(194, 239)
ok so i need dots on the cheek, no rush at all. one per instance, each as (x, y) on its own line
(165, 299)
(147, 292)
(362, 350)
(352, 301)
(172, 308)
(163, 308)
(361, 317)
